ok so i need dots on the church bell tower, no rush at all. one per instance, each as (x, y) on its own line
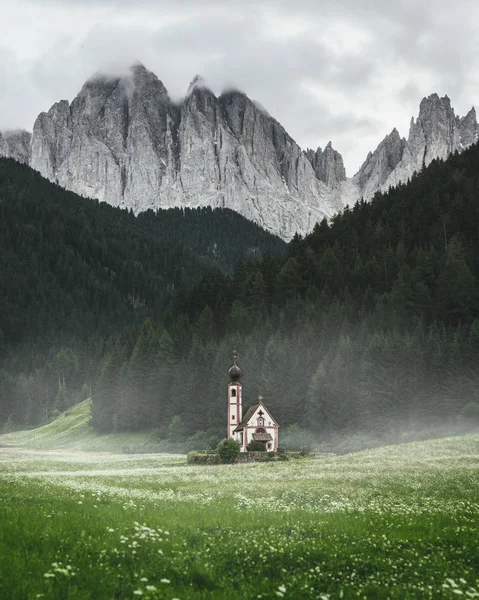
(235, 399)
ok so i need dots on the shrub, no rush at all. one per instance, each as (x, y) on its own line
(228, 450)
(256, 447)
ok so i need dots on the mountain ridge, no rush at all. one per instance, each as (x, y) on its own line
(123, 140)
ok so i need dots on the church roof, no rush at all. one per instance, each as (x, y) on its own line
(250, 412)
(262, 437)
(234, 372)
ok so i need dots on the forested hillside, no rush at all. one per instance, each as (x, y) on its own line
(74, 272)
(369, 325)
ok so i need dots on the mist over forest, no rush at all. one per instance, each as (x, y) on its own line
(367, 330)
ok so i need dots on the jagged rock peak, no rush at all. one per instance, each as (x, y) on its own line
(123, 141)
(328, 165)
(436, 133)
(468, 129)
(135, 78)
(198, 83)
(379, 164)
(135, 69)
(434, 101)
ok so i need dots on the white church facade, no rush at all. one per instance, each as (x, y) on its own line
(257, 425)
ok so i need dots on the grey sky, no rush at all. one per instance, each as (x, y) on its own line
(344, 70)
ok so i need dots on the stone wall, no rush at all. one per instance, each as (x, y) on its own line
(201, 458)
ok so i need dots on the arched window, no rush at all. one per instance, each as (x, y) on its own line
(260, 430)
(233, 393)
(260, 421)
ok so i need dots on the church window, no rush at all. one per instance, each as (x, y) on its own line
(260, 421)
(232, 417)
(233, 393)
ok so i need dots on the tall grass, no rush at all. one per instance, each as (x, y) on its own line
(395, 522)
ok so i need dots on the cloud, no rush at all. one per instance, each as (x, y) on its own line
(344, 71)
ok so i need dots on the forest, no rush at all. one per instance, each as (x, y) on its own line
(368, 328)
(74, 273)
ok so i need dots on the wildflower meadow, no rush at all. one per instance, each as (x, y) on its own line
(396, 522)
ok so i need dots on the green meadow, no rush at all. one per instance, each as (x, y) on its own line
(72, 430)
(395, 522)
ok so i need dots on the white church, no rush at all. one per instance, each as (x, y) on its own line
(258, 425)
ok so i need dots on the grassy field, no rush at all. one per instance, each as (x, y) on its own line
(395, 522)
(71, 430)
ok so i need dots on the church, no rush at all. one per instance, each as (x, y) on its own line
(258, 425)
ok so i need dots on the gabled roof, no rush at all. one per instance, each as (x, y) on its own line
(250, 412)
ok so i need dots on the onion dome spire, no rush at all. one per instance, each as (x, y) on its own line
(234, 372)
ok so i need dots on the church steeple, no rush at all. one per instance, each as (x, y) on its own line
(234, 372)
(235, 399)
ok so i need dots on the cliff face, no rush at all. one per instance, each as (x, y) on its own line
(111, 142)
(122, 140)
(328, 165)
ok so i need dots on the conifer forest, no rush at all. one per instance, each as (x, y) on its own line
(369, 326)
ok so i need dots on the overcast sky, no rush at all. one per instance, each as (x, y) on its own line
(341, 70)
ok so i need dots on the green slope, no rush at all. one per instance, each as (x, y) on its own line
(71, 430)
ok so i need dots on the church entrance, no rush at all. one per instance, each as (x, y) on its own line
(261, 436)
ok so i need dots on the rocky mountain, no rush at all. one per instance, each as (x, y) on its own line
(123, 140)
(436, 133)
